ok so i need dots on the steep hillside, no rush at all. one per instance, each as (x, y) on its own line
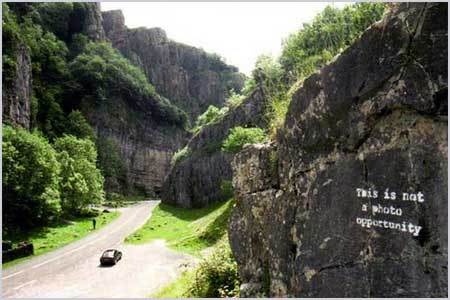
(192, 78)
(56, 61)
(351, 200)
(196, 180)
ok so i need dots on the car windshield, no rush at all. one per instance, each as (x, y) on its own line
(108, 253)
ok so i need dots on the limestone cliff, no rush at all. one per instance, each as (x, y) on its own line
(16, 91)
(190, 77)
(316, 215)
(145, 142)
(87, 18)
(196, 180)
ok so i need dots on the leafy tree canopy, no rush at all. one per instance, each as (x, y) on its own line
(81, 182)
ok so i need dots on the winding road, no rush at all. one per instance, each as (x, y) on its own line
(74, 270)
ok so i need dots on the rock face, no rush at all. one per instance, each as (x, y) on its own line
(16, 93)
(190, 77)
(316, 215)
(145, 143)
(87, 18)
(196, 180)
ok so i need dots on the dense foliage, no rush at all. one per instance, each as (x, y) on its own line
(77, 125)
(330, 33)
(217, 275)
(41, 180)
(111, 164)
(69, 72)
(81, 182)
(239, 136)
(30, 178)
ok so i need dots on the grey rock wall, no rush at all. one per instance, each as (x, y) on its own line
(16, 92)
(324, 222)
(145, 143)
(196, 180)
(190, 77)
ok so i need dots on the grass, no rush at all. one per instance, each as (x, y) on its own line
(215, 276)
(178, 288)
(185, 230)
(55, 236)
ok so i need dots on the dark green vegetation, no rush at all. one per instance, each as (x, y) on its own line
(239, 136)
(59, 234)
(57, 168)
(187, 230)
(43, 181)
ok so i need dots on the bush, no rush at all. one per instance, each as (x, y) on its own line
(234, 99)
(180, 155)
(81, 182)
(30, 178)
(217, 275)
(239, 136)
(211, 115)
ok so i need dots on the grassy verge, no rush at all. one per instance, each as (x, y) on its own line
(186, 230)
(178, 288)
(58, 235)
(216, 276)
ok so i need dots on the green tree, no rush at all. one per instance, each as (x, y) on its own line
(30, 178)
(239, 136)
(331, 32)
(78, 126)
(81, 182)
(111, 163)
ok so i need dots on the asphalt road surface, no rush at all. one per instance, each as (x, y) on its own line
(75, 271)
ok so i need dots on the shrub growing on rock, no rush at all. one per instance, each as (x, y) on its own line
(211, 115)
(180, 155)
(239, 136)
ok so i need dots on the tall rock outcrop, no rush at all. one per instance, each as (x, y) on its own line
(352, 199)
(190, 77)
(145, 142)
(196, 180)
(16, 92)
(86, 18)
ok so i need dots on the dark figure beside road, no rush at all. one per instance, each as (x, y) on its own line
(94, 222)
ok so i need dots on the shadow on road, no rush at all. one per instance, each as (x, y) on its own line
(105, 266)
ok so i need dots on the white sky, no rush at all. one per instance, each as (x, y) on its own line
(237, 31)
